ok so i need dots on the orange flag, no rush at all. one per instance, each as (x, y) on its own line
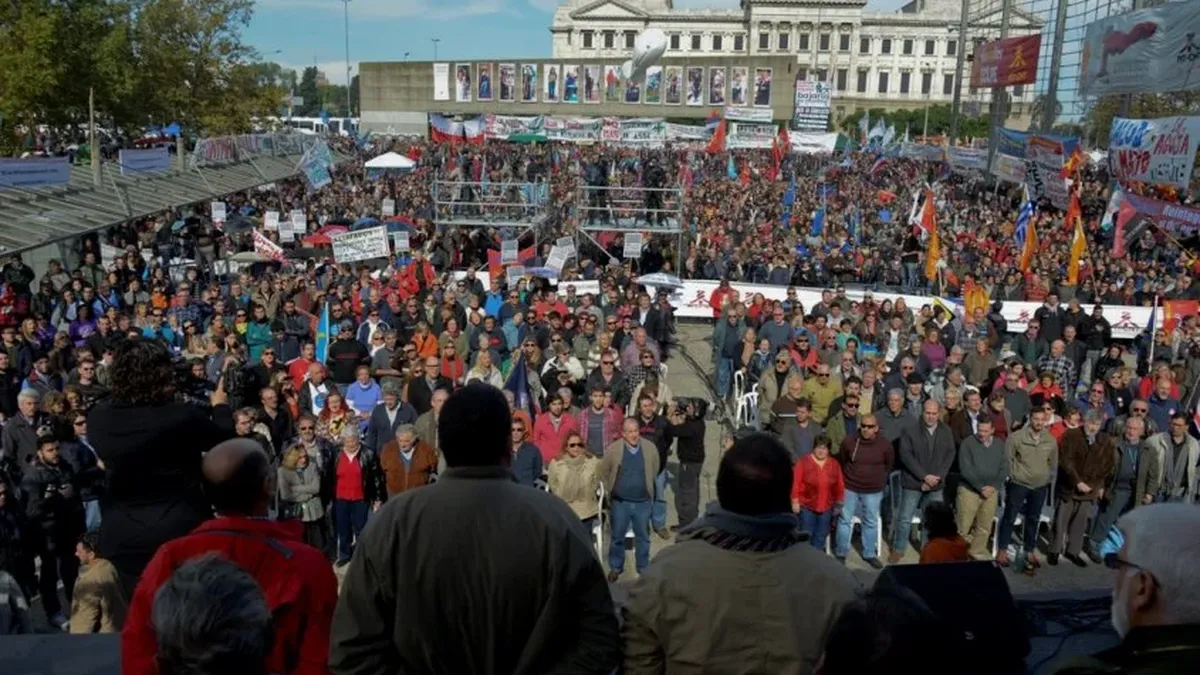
(933, 252)
(1175, 311)
(1029, 247)
(717, 142)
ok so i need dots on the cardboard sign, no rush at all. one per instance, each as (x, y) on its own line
(271, 220)
(218, 212)
(633, 246)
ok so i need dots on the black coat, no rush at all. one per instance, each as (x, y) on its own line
(420, 396)
(55, 518)
(89, 477)
(152, 456)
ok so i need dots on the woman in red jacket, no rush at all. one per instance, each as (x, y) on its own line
(817, 490)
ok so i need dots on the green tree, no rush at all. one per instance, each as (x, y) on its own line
(354, 100)
(308, 90)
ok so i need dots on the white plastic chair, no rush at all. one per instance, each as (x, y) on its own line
(747, 410)
(598, 526)
(739, 384)
(662, 369)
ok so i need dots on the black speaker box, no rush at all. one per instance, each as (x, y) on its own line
(974, 600)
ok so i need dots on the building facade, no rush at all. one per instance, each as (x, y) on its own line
(904, 59)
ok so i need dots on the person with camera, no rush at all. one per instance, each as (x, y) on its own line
(686, 419)
(56, 520)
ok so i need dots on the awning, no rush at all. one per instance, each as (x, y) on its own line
(30, 218)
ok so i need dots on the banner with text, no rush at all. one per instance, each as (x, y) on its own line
(1160, 151)
(1150, 50)
(1043, 170)
(34, 172)
(812, 106)
(364, 244)
(1006, 63)
(139, 162)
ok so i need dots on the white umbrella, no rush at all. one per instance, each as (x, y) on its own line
(660, 279)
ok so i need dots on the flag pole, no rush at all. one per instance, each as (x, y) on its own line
(1153, 332)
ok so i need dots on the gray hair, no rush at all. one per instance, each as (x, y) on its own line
(896, 392)
(29, 395)
(1093, 417)
(406, 430)
(211, 617)
(1161, 539)
(349, 431)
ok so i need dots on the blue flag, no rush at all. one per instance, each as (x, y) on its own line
(1023, 219)
(322, 345)
(731, 169)
(818, 223)
(1152, 324)
(518, 384)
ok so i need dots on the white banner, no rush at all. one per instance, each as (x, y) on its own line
(740, 114)
(299, 221)
(1150, 50)
(633, 245)
(1043, 170)
(389, 207)
(400, 241)
(287, 233)
(34, 172)
(441, 81)
(967, 158)
(809, 143)
(139, 162)
(1009, 168)
(360, 245)
(1160, 151)
(812, 102)
(267, 248)
(271, 220)
(747, 135)
(687, 132)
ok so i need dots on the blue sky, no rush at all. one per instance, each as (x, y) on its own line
(308, 31)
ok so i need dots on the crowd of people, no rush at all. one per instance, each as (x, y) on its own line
(147, 391)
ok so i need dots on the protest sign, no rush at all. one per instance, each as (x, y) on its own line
(267, 248)
(271, 220)
(299, 221)
(1043, 170)
(400, 241)
(513, 274)
(1007, 62)
(633, 245)
(508, 252)
(1160, 151)
(1149, 50)
(34, 172)
(565, 243)
(557, 258)
(360, 245)
(218, 212)
(389, 207)
(286, 232)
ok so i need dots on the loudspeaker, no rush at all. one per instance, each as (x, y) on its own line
(974, 600)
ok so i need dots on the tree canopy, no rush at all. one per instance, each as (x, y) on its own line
(914, 121)
(148, 62)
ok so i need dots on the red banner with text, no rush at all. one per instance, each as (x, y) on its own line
(1006, 63)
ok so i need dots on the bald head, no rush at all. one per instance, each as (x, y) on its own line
(238, 478)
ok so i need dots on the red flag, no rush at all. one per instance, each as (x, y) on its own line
(1124, 212)
(495, 269)
(717, 142)
(1175, 311)
(744, 177)
(1074, 212)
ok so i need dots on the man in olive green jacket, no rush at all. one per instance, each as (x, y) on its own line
(742, 590)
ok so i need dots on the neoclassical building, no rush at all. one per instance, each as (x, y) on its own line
(904, 59)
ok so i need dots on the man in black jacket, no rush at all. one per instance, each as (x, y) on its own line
(926, 453)
(688, 427)
(56, 521)
(345, 356)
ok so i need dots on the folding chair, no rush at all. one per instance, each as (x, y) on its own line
(748, 407)
(739, 384)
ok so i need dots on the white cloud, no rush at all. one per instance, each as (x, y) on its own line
(374, 9)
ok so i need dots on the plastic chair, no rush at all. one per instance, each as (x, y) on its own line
(598, 526)
(739, 384)
(895, 496)
(747, 410)
(662, 369)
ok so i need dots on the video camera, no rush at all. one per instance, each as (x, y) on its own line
(691, 407)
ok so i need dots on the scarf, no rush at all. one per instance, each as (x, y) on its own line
(1174, 472)
(737, 532)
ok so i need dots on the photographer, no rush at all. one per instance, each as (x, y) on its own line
(685, 418)
(56, 520)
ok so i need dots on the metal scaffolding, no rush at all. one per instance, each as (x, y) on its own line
(656, 211)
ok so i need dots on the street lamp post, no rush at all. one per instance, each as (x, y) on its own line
(956, 104)
(435, 42)
(346, 9)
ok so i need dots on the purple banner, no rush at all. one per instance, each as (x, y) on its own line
(1177, 219)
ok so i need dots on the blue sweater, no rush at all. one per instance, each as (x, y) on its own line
(364, 399)
(630, 485)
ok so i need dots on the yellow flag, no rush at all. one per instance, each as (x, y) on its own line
(933, 252)
(1078, 250)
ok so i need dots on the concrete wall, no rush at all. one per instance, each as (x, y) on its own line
(393, 87)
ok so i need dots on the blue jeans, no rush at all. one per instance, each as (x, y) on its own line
(870, 503)
(91, 515)
(1028, 502)
(817, 525)
(910, 277)
(350, 518)
(912, 502)
(622, 514)
(658, 513)
(724, 376)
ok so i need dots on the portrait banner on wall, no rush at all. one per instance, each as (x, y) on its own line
(738, 77)
(695, 85)
(483, 78)
(612, 84)
(654, 77)
(762, 87)
(462, 82)
(441, 81)
(529, 83)
(591, 84)
(570, 76)
(508, 82)
(553, 83)
(674, 85)
(716, 86)
(633, 91)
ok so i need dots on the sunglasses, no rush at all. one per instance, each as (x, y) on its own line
(518, 430)
(868, 426)
(307, 428)
(850, 405)
(574, 445)
(606, 363)
(782, 363)
(822, 374)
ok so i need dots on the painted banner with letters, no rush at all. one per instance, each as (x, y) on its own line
(1009, 168)
(1149, 50)
(365, 244)
(1179, 220)
(809, 143)
(1160, 151)
(34, 172)
(1007, 62)
(1043, 170)
(748, 135)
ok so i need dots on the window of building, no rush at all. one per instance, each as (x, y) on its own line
(822, 75)
(764, 41)
(609, 39)
(908, 47)
(930, 46)
(804, 42)
(802, 74)
(716, 43)
(951, 47)
(569, 35)
(784, 38)
(926, 83)
(675, 42)
(739, 43)
(842, 76)
(629, 38)
(695, 43)
(861, 84)
(885, 46)
(883, 83)
(864, 45)
(905, 81)
(823, 42)
(844, 42)
(587, 39)
(948, 84)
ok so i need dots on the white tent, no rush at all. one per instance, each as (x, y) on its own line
(391, 161)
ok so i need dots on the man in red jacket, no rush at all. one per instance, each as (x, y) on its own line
(296, 578)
